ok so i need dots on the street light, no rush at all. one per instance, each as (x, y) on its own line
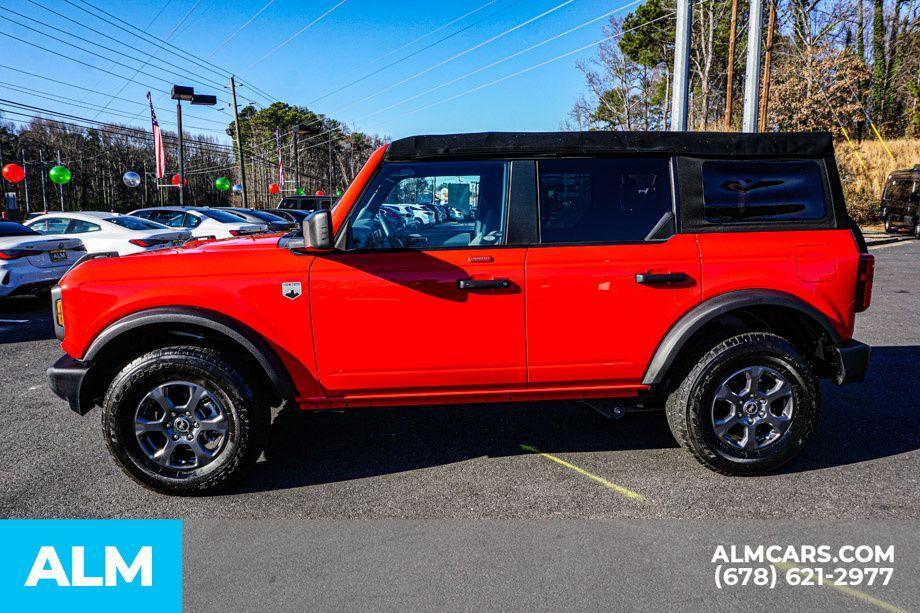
(180, 93)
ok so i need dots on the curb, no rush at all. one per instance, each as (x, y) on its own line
(884, 241)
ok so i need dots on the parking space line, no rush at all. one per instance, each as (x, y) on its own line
(878, 602)
(619, 489)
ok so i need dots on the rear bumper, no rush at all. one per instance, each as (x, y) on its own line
(852, 361)
(67, 378)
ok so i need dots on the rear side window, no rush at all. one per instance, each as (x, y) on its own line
(79, 226)
(602, 200)
(763, 191)
(133, 223)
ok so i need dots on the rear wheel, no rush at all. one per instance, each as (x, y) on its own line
(889, 228)
(182, 420)
(747, 406)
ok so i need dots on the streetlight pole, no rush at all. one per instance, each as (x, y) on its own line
(296, 157)
(180, 93)
(239, 141)
(752, 71)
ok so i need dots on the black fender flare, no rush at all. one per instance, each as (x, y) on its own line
(691, 322)
(238, 332)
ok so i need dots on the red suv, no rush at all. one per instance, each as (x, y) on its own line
(717, 275)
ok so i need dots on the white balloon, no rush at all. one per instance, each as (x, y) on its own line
(237, 189)
(131, 179)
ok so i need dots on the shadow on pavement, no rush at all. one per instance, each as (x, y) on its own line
(24, 319)
(866, 421)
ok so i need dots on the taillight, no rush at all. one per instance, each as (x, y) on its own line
(140, 242)
(235, 233)
(864, 278)
(12, 254)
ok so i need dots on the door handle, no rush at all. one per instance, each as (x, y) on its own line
(473, 284)
(668, 277)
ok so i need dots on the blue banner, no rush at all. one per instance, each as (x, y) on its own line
(91, 565)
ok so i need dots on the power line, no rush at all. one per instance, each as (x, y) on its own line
(296, 34)
(241, 28)
(416, 52)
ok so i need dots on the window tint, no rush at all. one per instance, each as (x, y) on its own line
(432, 204)
(133, 223)
(602, 200)
(188, 221)
(898, 189)
(78, 226)
(762, 191)
(173, 219)
(221, 216)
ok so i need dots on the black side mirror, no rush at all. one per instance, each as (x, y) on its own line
(317, 231)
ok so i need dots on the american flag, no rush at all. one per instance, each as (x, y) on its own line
(158, 150)
(280, 162)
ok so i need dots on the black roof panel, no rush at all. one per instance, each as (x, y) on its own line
(556, 144)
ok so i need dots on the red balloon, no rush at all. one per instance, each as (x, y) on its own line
(14, 173)
(273, 188)
(175, 180)
(320, 192)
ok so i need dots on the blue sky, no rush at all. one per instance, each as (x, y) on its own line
(355, 39)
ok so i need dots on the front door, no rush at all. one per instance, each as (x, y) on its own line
(423, 294)
(609, 277)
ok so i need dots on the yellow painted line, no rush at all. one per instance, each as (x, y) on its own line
(619, 489)
(881, 604)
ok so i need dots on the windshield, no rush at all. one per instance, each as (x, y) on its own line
(8, 228)
(134, 223)
(221, 216)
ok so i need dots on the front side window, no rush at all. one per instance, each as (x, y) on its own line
(602, 200)
(422, 205)
(763, 191)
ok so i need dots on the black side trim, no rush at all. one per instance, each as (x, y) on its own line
(697, 317)
(522, 203)
(218, 322)
(66, 378)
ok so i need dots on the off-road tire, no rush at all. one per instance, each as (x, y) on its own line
(688, 407)
(248, 418)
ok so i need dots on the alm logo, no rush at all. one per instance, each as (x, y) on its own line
(93, 565)
(48, 567)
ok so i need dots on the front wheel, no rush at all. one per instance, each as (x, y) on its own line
(747, 406)
(182, 420)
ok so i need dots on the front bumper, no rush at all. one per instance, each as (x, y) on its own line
(68, 379)
(852, 361)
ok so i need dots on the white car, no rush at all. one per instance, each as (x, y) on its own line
(30, 262)
(202, 222)
(110, 232)
(412, 212)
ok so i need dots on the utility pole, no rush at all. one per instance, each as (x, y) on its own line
(25, 182)
(145, 184)
(296, 156)
(767, 61)
(60, 185)
(752, 69)
(681, 66)
(239, 141)
(730, 79)
(41, 158)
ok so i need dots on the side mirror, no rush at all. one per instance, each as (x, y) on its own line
(317, 231)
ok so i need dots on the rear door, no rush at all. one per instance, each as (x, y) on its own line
(609, 276)
(440, 306)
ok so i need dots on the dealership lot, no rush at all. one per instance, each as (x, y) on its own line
(527, 461)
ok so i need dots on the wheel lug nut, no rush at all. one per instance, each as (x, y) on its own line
(175, 437)
(189, 437)
(195, 424)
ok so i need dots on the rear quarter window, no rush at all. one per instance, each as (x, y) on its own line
(763, 191)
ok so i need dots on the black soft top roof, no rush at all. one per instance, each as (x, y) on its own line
(558, 144)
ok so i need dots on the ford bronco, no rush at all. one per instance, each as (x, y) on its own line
(714, 275)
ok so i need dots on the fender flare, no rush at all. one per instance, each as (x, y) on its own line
(691, 322)
(240, 333)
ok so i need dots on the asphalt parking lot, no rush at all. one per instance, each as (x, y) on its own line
(482, 461)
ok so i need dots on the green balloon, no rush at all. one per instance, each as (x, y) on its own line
(300, 191)
(60, 175)
(222, 183)
(339, 192)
